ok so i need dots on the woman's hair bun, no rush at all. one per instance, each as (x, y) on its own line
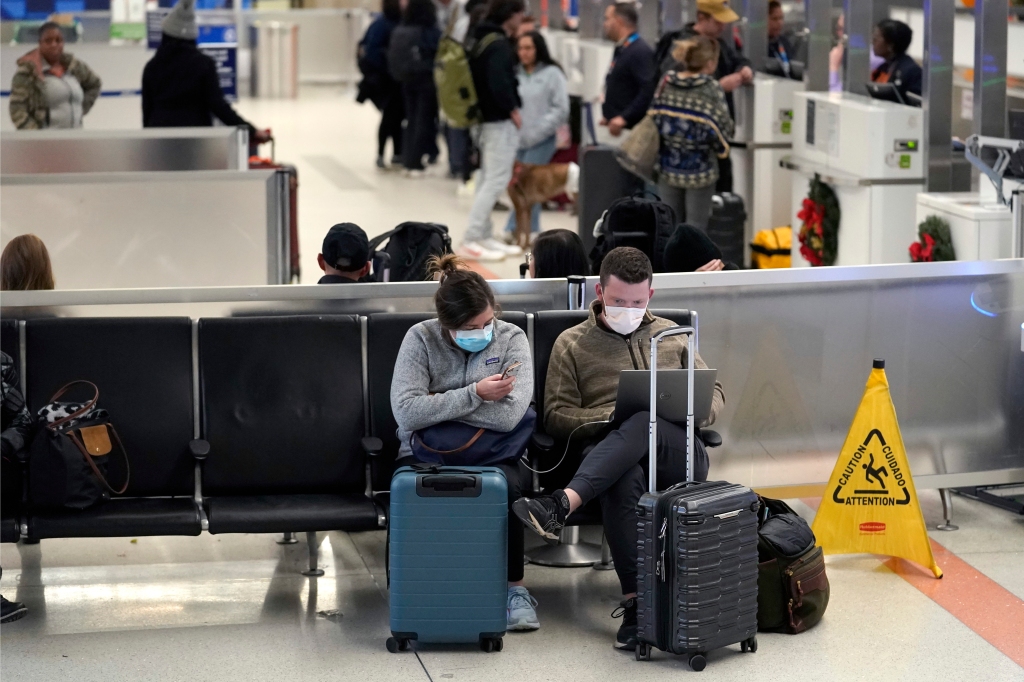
(444, 265)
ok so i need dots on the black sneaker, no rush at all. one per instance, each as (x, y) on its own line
(543, 515)
(627, 635)
(11, 610)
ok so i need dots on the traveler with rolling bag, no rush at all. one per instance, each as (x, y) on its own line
(697, 556)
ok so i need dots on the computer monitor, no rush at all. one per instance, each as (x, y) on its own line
(884, 91)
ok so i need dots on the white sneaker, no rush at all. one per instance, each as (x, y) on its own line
(498, 245)
(477, 251)
(466, 189)
(415, 174)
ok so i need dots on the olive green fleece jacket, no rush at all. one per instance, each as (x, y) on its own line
(583, 374)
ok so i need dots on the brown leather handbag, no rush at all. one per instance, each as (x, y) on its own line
(70, 455)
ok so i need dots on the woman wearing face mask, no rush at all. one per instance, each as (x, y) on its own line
(449, 369)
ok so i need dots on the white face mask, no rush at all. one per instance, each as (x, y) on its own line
(624, 320)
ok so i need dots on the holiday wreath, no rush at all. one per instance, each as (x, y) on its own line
(819, 232)
(935, 242)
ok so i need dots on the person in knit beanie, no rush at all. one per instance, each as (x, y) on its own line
(691, 250)
(180, 84)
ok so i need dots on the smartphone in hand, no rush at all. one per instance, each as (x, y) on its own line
(511, 370)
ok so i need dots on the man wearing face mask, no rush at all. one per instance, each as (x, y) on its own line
(582, 383)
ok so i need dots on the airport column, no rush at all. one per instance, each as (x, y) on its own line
(857, 18)
(819, 26)
(990, 28)
(937, 94)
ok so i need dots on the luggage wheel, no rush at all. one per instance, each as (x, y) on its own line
(489, 645)
(643, 652)
(395, 645)
(698, 662)
(749, 645)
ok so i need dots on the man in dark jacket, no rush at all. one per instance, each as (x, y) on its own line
(714, 21)
(629, 85)
(780, 47)
(180, 85)
(890, 42)
(493, 62)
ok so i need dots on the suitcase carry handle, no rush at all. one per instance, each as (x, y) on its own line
(448, 485)
(652, 444)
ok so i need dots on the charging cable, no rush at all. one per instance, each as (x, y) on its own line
(568, 443)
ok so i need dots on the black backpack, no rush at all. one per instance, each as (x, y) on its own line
(409, 247)
(642, 221)
(405, 59)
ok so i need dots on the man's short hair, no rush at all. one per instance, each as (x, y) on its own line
(501, 11)
(630, 265)
(627, 12)
(774, 5)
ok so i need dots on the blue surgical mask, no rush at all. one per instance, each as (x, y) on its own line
(473, 340)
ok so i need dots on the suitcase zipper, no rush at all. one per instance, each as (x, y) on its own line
(660, 570)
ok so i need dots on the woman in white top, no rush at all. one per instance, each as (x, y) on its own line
(545, 97)
(52, 89)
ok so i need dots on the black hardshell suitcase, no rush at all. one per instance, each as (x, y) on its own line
(696, 555)
(726, 226)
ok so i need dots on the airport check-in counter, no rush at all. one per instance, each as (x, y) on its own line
(869, 152)
(764, 125)
(148, 149)
(155, 229)
(793, 348)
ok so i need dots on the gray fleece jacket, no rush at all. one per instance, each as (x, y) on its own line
(435, 381)
(545, 98)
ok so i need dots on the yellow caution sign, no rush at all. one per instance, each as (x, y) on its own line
(870, 504)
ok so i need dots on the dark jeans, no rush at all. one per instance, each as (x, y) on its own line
(516, 569)
(615, 473)
(458, 152)
(391, 124)
(421, 123)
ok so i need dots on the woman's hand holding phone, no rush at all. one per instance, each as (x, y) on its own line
(495, 387)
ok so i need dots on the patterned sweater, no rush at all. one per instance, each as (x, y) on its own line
(694, 124)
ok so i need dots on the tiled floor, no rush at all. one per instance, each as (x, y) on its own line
(333, 142)
(236, 607)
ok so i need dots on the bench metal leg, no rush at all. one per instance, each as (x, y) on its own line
(947, 511)
(314, 551)
(568, 553)
(287, 539)
(606, 563)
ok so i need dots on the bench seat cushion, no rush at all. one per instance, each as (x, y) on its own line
(291, 513)
(119, 518)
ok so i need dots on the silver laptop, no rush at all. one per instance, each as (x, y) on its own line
(635, 394)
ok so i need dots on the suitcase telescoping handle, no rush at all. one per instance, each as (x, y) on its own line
(652, 445)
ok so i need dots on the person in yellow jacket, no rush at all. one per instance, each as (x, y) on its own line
(52, 88)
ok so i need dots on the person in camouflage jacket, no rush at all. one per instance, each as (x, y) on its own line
(28, 107)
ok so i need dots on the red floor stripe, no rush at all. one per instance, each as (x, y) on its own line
(484, 272)
(994, 613)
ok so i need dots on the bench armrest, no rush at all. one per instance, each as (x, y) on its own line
(199, 449)
(712, 439)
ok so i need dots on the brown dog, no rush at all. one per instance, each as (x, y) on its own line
(533, 184)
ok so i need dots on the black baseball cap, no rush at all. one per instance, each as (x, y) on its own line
(346, 247)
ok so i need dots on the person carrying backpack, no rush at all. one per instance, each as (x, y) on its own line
(378, 86)
(493, 63)
(411, 62)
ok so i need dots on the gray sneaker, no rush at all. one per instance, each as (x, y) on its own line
(522, 614)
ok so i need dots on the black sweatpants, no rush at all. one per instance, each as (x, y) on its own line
(421, 123)
(516, 551)
(391, 119)
(615, 473)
